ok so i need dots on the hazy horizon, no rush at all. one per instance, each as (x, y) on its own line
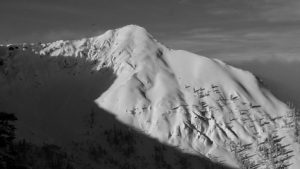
(234, 29)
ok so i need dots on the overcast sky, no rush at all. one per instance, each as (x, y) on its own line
(226, 29)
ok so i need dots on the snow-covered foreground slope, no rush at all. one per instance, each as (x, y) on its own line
(201, 106)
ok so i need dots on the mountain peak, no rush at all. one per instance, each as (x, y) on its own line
(114, 48)
(201, 105)
(133, 29)
(128, 32)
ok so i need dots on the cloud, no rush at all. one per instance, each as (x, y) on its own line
(183, 1)
(246, 44)
(218, 28)
(281, 11)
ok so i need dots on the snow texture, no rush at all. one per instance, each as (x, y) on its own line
(199, 105)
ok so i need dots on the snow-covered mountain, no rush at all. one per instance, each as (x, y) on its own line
(198, 105)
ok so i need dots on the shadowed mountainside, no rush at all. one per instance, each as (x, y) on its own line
(53, 98)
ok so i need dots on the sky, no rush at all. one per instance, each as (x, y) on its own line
(226, 29)
(253, 34)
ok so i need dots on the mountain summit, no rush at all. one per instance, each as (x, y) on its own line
(200, 105)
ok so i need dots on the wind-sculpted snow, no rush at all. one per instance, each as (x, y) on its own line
(201, 106)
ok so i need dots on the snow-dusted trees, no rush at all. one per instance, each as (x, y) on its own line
(46, 156)
(240, 152)
(7, 135)
(274, 155)
(293, 122)
(121, 140)
(24, 155)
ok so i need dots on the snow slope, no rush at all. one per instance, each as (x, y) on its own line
(200, 105)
